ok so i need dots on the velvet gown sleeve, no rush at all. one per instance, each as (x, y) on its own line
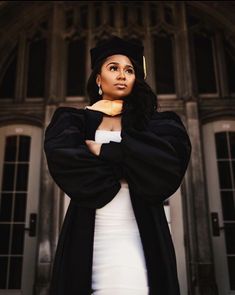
(83, 176)
(154, 161)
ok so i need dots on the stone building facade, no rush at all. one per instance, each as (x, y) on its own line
(44, 63)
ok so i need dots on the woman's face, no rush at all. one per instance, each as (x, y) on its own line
(117, 77)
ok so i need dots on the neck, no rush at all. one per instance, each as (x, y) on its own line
(111, 98)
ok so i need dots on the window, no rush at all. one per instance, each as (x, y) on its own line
(8, 80)
(230, 64)
(13, 210)
(97, 13)
(204, 63)
(76, 73)
(36, 69)
(225, 152)
(163, 62)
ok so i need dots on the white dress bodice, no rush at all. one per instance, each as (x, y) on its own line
(118, 259)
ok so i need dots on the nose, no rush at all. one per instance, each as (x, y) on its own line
(121, 75)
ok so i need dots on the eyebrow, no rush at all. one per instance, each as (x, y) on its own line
(116, 63)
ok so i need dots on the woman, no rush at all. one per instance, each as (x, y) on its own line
(118, 160)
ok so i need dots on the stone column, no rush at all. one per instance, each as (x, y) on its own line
(201, 275)
(48, 223)
(199, 241)
(19, 92)
(50, 197)
(148, 48)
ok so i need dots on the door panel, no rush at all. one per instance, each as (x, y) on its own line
(20, 153)
(219, 149)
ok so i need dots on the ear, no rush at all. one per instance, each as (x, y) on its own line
(98, 79)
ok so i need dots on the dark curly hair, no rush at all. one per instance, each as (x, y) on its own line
(138, 106)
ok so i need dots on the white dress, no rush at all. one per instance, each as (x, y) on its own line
(118, 259)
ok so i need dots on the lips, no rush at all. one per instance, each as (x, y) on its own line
(122, 86)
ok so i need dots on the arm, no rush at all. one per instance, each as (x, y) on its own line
(154, 161)
(115, 165)
(85, 178)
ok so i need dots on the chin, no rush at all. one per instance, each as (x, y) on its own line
(121, 94)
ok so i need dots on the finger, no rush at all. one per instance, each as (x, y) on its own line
(88, 141)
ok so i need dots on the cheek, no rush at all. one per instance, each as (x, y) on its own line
(106, 84)
(132, 82)
(107, 80)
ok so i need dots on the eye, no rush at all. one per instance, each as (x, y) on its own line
(113, 67)
(130, 71)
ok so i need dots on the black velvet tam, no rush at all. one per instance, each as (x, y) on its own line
(116, 45)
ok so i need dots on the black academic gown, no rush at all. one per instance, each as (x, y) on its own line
(153, 162)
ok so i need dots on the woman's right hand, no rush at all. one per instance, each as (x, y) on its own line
(93, 146)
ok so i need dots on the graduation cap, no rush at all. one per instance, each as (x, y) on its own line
(116, 45)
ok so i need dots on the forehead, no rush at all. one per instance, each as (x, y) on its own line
(118, 58)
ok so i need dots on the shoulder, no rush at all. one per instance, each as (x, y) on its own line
(167, 122)
(166, 117)
(64, 118)
(67, 112)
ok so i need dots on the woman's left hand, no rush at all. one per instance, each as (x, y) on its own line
(93, 146)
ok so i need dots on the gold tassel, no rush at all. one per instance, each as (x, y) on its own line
(144, 66)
